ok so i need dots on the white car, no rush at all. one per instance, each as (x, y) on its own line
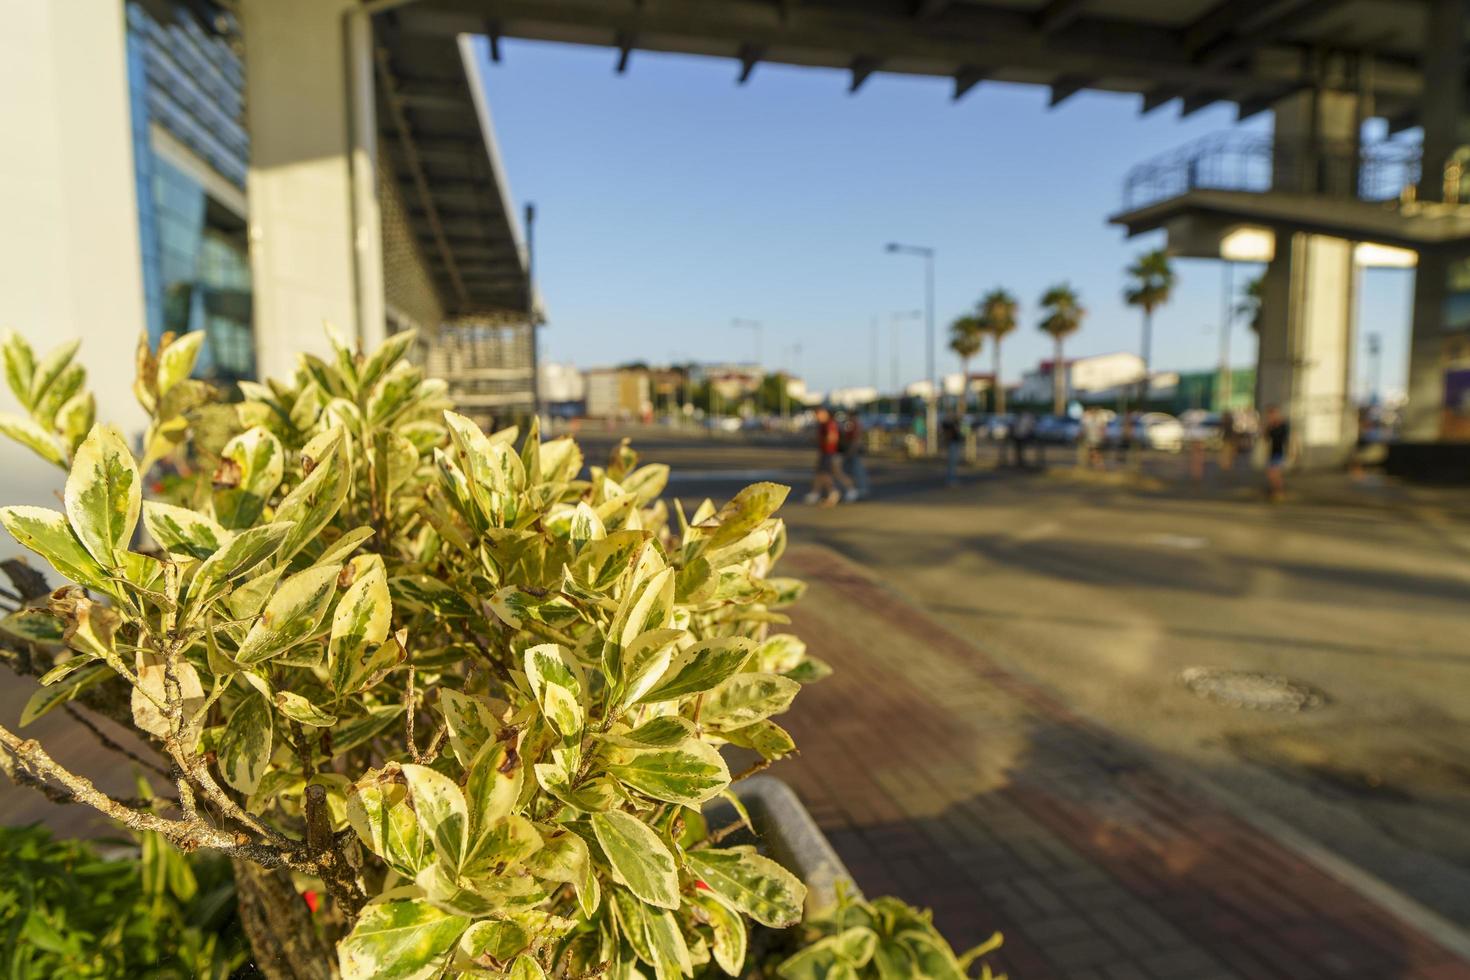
(1162, 432)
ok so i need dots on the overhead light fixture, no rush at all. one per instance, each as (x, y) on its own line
(1248, 243)
(1371, 255)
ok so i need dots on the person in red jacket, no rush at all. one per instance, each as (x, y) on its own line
(829, 462)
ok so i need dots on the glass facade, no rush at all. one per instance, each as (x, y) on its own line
(188, 82)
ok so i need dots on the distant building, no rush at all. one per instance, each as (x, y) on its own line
(668, 386)
(618, 393)
(855, 397)
(1201, 390)
(731, 381)
(796, 390)
(1086, 377)
(563, 389)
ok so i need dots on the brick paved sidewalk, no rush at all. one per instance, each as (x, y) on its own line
(947, 781)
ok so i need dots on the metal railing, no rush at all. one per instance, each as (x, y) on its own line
(1235, 162)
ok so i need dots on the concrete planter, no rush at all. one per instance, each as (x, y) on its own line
(786, 833)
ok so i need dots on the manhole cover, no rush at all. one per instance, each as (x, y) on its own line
(1251, 690)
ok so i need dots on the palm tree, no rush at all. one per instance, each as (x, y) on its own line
(1151, 282)
(997, 310)
(1249, 306)
(965, 339)
(1063, 316)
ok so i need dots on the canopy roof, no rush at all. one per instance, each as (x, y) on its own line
(1193, 53)
(435, 128)
(1250, 52)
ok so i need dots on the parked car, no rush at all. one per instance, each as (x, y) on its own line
(1162, 432)
(1058, 429)
(1156, 430)
(997, 427)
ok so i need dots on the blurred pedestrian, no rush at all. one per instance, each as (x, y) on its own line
(1094, 432)
(1362, 445)
(1278, 449)
(852, 455)
(1229, 441)
(954, 443)
(1125, 436)
(1025, 433)
(829, 461)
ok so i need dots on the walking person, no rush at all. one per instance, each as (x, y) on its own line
(1278, 448)
(1094, 432)
(1229, 441)
(1125, 438)
(1027, 445)
(954, 443)
(829, 462)
(852, 455)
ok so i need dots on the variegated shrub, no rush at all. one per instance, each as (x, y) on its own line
(371, 650)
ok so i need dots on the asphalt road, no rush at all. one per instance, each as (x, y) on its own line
(1106, 594)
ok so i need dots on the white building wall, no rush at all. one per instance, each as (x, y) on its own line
(70, 263)
(561, 383)
(307, 245)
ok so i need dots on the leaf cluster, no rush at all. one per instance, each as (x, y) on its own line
(477, 694)
(884, 939)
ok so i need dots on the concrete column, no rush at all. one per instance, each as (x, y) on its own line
(1307, 336)
(1306, 344)
(1316, 142)
(70, 263)
(1422, 414)
(1442, 108)
(315, 238)
(1443, 115)
(1305, 364)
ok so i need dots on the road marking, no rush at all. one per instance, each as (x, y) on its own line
(1033, 533)
(1183, 541)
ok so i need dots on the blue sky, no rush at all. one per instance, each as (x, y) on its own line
(671, 201)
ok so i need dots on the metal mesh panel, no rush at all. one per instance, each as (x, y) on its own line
(408, 289)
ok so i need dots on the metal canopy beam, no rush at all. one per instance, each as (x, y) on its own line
(966, 79)
(1064, 88)
(1226, 52)
(1195, 102)
(1159, 96)
(1220, 21)
(625, 51)
(1118, 48)
(750, 55)
(1059, 14)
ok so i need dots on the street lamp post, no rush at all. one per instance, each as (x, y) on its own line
(931, 414)
(932, 409)
(681, 391)
(1375, 348)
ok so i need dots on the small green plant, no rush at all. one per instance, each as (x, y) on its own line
(473, 697)
(66, 912)
(884, 939)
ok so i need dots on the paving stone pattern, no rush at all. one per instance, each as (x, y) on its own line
(955, 785)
